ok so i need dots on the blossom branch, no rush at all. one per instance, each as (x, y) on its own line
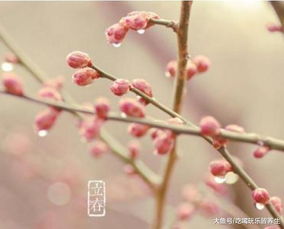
(164, 22)
(278, 7)
(140, 168)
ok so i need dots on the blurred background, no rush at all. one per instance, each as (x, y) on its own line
(44, 180)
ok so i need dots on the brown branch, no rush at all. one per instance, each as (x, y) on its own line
(167, 23)
(278, 7)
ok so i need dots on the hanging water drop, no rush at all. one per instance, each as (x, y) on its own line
(220, 179)
(231, 178)
(42, 133)
(7, 67)
(141, 31)
(259, 206)
(116, 45)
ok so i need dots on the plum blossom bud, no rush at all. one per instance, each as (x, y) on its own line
(12, 84)
(209, 208)
(277, 203)
(11, 58)
(102, 107)
(78, 59)
(49, 93)
(202, 63)
(218, 188)
(120, 87)
(129, 170)
(209, 126)
(190, 193)
(171, 69)
(85, 76)
(98, 149)
(116, 33)
(219, 167)
(46, 119)
(143, 86)
(260, 195)
(235, 128)
(90, 129)
(185, 211)
(56, 83)
(135, 20)
(134, 149)
(274, 28)
(219, 141)
(261, 151)
(132, 108)
(137, 129)
(163, 143)
(191, 70)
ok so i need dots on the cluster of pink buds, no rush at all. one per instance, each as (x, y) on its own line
(137, 20)
(12, 84)
(98, 149)
(85, 73)
(260, 197)
(274, 28)
(197, 65)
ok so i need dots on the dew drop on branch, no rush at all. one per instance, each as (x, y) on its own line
(116, 45)
(231, 178)
(141, 31)
(7, 67)
(259, 206)
(42, 133)
(220, 179)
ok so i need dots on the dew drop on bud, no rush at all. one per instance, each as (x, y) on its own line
(141, 31)
(231, 178)
(123, 115)
(7, 67)
(259, 206)
(116, 45)
(220, 179)
(42, 133)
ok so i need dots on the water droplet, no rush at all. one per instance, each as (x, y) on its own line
(168, 75)
(123, 115)
(7, 67)
(231, 178)
(141, 31)
(259, 206)
(42, 133)
(116, 45)
(220, 179)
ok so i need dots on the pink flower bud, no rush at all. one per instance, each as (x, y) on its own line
(90, 129)
(190, 193)
(219, 167)
(12, 84)
(216, 187)
(98, 149)
(209, 126)
(235, 128)
(134, 149)
(143, 86)
(185, 211)
(135, 20)
(277, 203)
(274, 28)
(11, 58)
(261, 151)
(129, 170)
(137, 129)
(120, 87)
(78, 59)
(260, 195)
(132, 108)
(163, 143)
(191, 70)
(56, 83)
(209, 208)
(46, 119)
(85, 76)
(102, 107)
(155, 132)
(219, 141)
(49, 93)
(116, 33)
(202, 63)
(171, 69)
